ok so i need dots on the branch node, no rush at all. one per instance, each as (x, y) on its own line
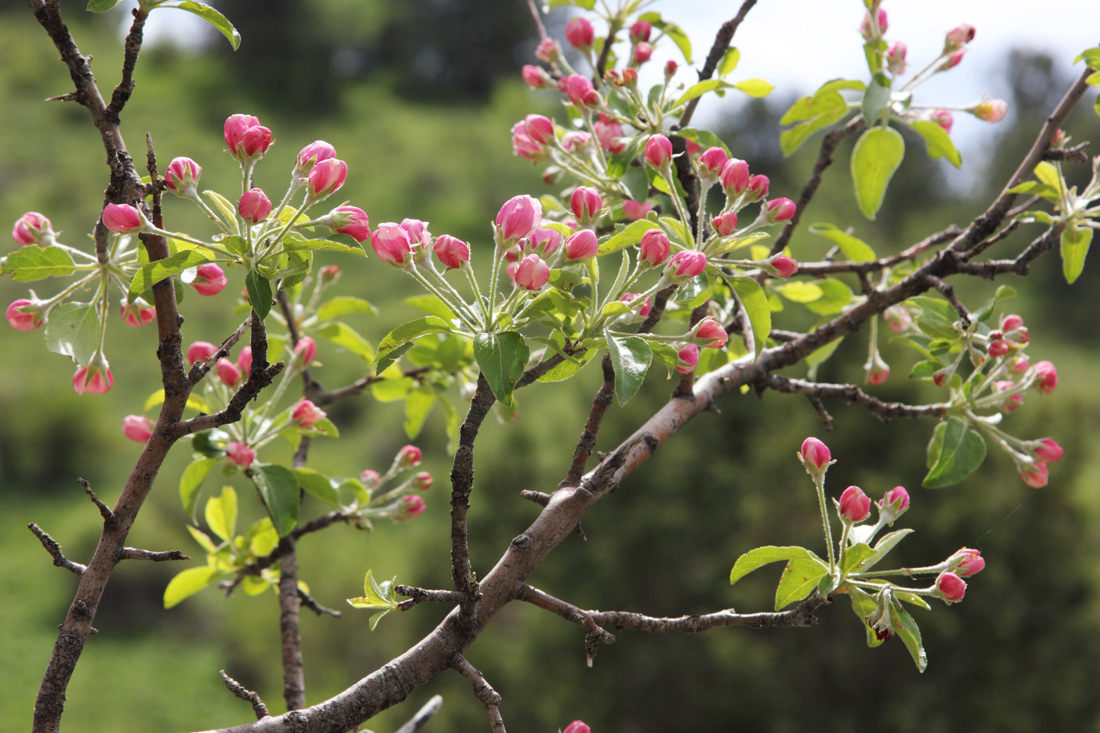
(104, 510)
(311, 603)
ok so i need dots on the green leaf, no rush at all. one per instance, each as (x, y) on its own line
(673, 31)
(821, 355)
(418, 403)
(568, 368)
(755, 88)
(259, 293)
(207, 13)
(631, 357)
(347, 337)
(875, 158)
(191, 482)
(631, 234)
(800, 291)
(910, 635)
(586, 4)
(1048, 175)
(884, 545)
(761, 556)
(1091, 57)
(678, 231)
(375, 595)
(101, 6)
(729, 61)
(194, 402)
(876, 99)
(854, 556)
(938, 142)
(404, 334)
(501, 357)
(756, 306)
(152, 273)
(318, 484)
(799, 579)
(432, 305)
(698, 90)
(986, 311)
(221, 514)
(1075, 247)
(73, 330)
(815, 113)
(28, 264)
(342, 305)
(279, 489)
(322, 244)
(854, 249)
(188, 583)
(204, 541)
(953, 453)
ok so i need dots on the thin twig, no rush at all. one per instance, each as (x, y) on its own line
(311, 603)
(420, 595)
(885, 411)
(133, 553)
(801, 615)
(483, 691)
(423, 715)
(587, 441)
(247, 695)
(104, 510)
(54, 549)
(722, 40)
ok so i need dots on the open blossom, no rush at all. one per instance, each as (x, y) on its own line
(182, 176)
(139, 313)
(209, 279)
(23, 318)
(711, 333)
(580, 33)
(32, 228)
(122, 218)
(854, 505)
(254, 206)
(137, 428)
(658, 151)
(306, 414)
(239, 454)
(391, 243)
(689, 359)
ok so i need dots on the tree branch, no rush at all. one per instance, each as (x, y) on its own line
(483, 691)
(248, 696)
(885, 411)
(54, 549)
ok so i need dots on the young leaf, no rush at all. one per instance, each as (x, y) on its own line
(191, 482)
(698, 90)
(73, 330)
(259, 293)
(207, 13)
(279, 489)
(755, 88)
(799, 579)
(854, 249)
(501, 357)
(854, 557)
(221, 514)
(344, 335)
(729, 61)
(910, 636)
(188, 583)
(1075, 247)
(875, 158)
(755, 304)
(418, 403)
(876, 98)
(938, 142)
(151, 274)
(631, 357)
(631, 234)
(761, 556)
(28, 264)
(318, 484)
(953, 453)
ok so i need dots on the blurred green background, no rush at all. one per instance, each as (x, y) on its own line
(418, 98)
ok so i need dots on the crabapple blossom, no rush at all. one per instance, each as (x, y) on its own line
(137, 428)
(306, 414)
(239, 454)
(32, 228)
(209, 279)
(122, 218)
(21, 317)
(815, 456)
(451, 251)
(254, 206)
(391, 243)
(854, 505)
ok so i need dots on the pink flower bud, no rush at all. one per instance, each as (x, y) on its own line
(139, 313)
(234, 129)
(874, 28)
(422, 480)
(577, 726)
(992, 111)
(306, 414)
(305, 351)
(544, 242)
(326, 177)
(644, 310)
(519, 216)
(734, 176)
(958, 37)
(228, 372)
(96, 378)
(944, 119)
(575, 141)
(244, 361)
(784, 266)
(534, 76)
(815, 455)
(209, 279)
(419, 236)
(311, 155)
(451, 251)
(780, 210)
(370, 478)
(855, 506)
(635, 210)
(182, 177)
(711, 334)
(585, 203)
(1021, 365)
(950, 587)
(640, 31)
(895, 58)
(1003, 385)
(580, 91)
(725, 224)
(658, 151)
(254, 206)
(548, 51)
(758, 187)
(893, 504)
(609, 135)
(122, 218)
(539, 128)
(411, 506)
(642, 52)
(953, 60)
(330, 273)
(1035, 475)
(531, 272)
(201, 351)
(1011, 323)
(713, 160)
(1047, 377)
(246, 138)
(239, 454)
(879, 373)
(582, 245)
(580, 33)
(967, 562)
(998, 348)
(655, 247)
(670, 69)
(1048, 450)
(686, 264)
(137, 428)
(525, 147)
(23, 316)
(33, 228)
(689, 359)
(408, 456)
(391, 243)
(349, 220)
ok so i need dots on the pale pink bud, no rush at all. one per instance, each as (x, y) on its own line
(306, 414)
(635, 210)
(725, 224)
(1011, 323)
(182, 176)
(1021, 365)
(874, 28)
(239, 454)
(967, 562)
(531, 272)
(122, 218)
(780, 210)
(734, 176)
(758, 187)
(451, 251)
(305, 351)
(893, 504)
(545, 242)
(879, 373)
(391, 243)
(644, 310)
(419, 236)
(1036, 475)
(326, 177)
(525, 147)
(1047, 377)
(655, 247)
(209, 279)
(577, 726)
(686, 264)
(642, 52)
(329, 273)
(548, 50)
(579, 90)
(409, 456)
(228, 372)
(658, 151)
(609, 135)
(855, 506)
(370, 478)
(713, 160)
(895, 58)
(580, 33)
(139, 313)
(244, 361)
(200, 351)
(254, 206)
(575, 141)
(349, 220)
(1003, 385)
(711, 334)
(950, 587)
(422, 480)
(689, 359)
(783, 266)
(95, 378)
(32, 228)
(992, 111)
(1048, 450)
(23, 316)
(411, 506)
(585, 203)
(312, 154)
(958, 37)
(953, 60)
(640, 31)
(137, 428)
(944, 119)
(519, 216)
(534, 76)
(815, 455)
